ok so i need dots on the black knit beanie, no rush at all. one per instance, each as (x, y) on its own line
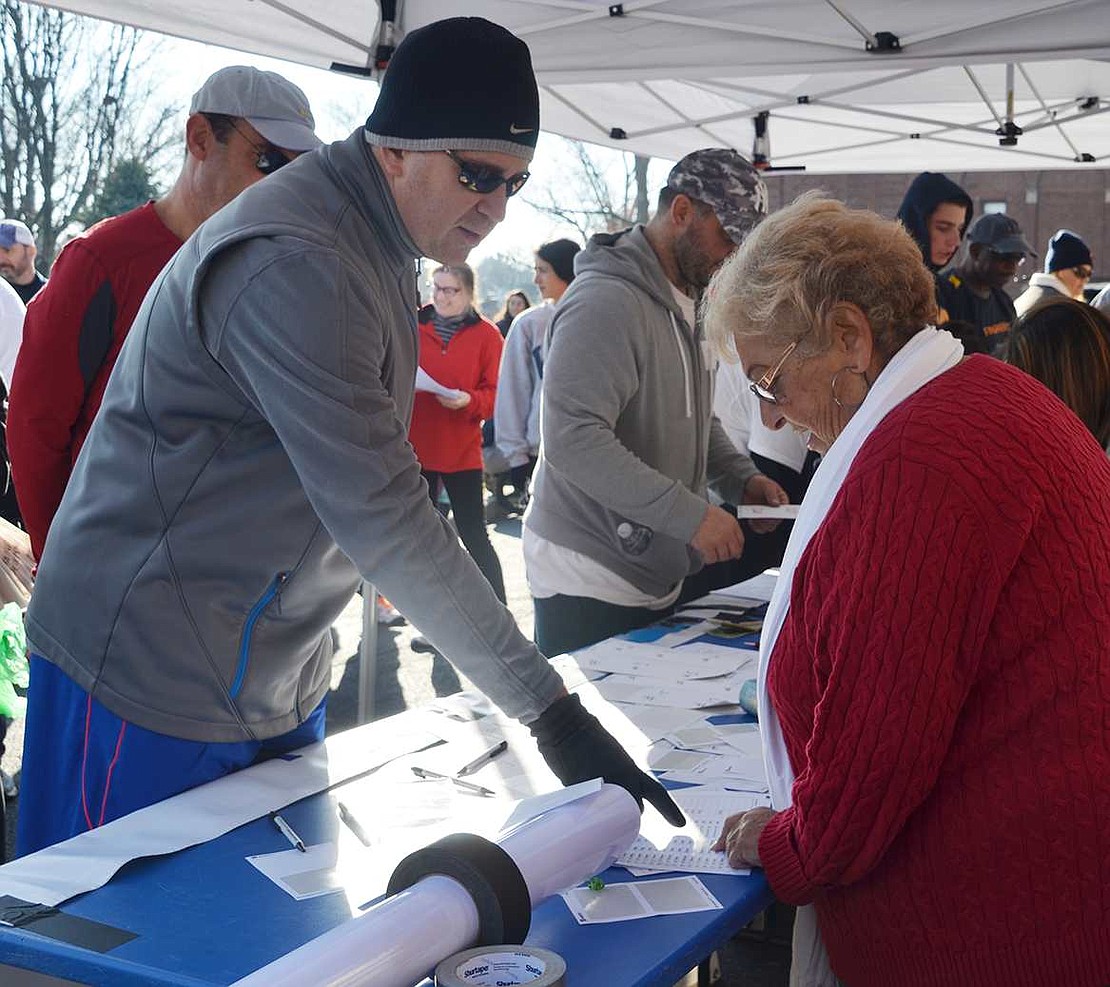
(560, 255)
(461, 84)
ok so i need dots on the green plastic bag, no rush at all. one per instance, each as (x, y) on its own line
(13, 660)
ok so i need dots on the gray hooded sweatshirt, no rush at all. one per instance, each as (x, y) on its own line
(250, 461)
(630, 440)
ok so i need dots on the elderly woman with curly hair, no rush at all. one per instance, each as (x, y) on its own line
(934, 668)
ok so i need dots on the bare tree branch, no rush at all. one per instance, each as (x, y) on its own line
(588, 199)
(76, 98)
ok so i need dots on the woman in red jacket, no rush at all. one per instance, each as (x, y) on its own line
(934, 670)
(460, 351)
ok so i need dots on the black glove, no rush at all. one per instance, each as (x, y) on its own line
(577, 747)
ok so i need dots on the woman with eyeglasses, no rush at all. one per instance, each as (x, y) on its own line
(934, 669)
(1067, 269)
(461, 351)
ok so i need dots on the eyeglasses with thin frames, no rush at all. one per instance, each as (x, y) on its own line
(444, 289)
(764, 387)
(270, 158)
(484, 179)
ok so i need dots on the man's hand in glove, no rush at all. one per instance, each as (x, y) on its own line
(577, 747)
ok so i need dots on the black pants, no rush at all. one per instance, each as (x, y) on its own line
(464, 490)
(567, 623)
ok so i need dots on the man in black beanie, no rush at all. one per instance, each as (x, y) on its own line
(250, 465)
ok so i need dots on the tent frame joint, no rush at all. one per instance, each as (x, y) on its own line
(885, 43)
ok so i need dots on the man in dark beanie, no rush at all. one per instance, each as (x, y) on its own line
(516, 412)
(1067, 269)
(250, 465)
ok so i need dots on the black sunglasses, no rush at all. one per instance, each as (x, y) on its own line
(270, 158)
(484, 179)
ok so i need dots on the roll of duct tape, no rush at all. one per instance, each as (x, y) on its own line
(495, 966)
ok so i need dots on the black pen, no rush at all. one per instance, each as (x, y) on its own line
(481, 759)
(288, 832)
(468, 785)
(353, 824)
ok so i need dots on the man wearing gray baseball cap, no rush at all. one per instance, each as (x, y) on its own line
(243, 124)
(619, 515)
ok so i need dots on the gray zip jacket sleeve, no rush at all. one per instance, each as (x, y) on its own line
(358, 470)
(249, 462)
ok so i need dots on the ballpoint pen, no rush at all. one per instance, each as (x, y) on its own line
(288, 832)
(353, 824)
(468, 785)
(472, 766)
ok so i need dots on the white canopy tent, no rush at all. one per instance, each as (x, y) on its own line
(847, 86)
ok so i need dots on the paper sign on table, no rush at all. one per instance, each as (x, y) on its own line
(620, 902)
(662, 847)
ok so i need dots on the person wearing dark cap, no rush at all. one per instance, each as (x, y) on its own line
(935, 211)
(250, 465)
(1067, 269)
(243, 124)
(17, 259)
(972, 292)
(619, 515)
(516, 411)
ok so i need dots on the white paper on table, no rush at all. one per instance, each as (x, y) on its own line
(572, 674)
(757, 588)
(662, 847)
(426, 382)
(538, 804)
(302, 875)
(657, 721)
(88, 860)
(673, 639)
(691, 661)
(744, 738)
(723, 691)
(761, 512)
(704, 767)
(621, 902)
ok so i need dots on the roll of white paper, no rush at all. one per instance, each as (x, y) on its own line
(399, 941)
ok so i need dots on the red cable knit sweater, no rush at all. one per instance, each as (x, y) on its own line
(943, 682)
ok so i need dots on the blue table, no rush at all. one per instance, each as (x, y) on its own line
(205, 916)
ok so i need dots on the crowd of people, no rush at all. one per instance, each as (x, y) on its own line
(229, 408)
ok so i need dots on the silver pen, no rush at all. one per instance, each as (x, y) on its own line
(468, 785)
(288, 832)
(353, 824)
(482, 758)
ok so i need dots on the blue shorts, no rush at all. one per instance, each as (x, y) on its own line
(83, 766)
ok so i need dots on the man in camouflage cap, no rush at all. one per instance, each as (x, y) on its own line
(619, 515)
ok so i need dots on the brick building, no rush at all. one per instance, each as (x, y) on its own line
(1041, 201)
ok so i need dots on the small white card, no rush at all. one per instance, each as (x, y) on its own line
(764, 512)
(643, 899)
(302, 875)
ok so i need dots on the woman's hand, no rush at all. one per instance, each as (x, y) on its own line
(455, 404)
(762, 489)
(740, 837)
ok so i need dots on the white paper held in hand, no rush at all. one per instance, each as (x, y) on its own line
(425, 382)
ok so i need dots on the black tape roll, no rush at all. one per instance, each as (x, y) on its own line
(489, 875)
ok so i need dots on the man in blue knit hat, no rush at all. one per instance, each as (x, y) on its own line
(250, 465)
(1067, 269)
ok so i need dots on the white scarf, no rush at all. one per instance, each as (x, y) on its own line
(927, 355)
